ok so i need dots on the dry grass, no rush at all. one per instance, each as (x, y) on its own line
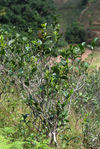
(95, 64)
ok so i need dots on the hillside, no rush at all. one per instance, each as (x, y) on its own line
(70, 11)
(91, 19)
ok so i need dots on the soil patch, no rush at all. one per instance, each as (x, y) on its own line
(86, 54)
(58, 58)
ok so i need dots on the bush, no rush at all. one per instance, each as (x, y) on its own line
(75, 33)
(47, 90)
(25, 14)
(26, 65)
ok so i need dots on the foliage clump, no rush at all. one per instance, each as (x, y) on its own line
(26, 14)
(49, 89)
(75, 33)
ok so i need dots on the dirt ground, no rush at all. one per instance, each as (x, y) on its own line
(58, 58)
(86, 54)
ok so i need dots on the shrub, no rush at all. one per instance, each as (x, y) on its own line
(75, 33)
(43, 87)
(46, 89)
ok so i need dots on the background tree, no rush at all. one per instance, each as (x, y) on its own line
(25, 14)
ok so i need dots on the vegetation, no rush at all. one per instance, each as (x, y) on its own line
(96, 60)
(75, 33)
(26, 14)
(48, 97)
(55, 85)
(85, 12)
(6, 143)
(85, 2)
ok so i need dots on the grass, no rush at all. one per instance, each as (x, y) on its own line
(95, 64)
(75, 132)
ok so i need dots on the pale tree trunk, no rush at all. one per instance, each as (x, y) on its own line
(84, 11)
(53, 136)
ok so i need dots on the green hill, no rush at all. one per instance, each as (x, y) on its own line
(71, 10)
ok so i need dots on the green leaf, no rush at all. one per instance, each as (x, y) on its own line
(94, 42)
(20, 71)
(24, 38)
(10, 72)
(55, 69)
(64, 77)
(2, 52)
(11, 41)
(65, 93)
(86, 65)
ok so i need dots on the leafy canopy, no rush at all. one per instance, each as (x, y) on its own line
(27, 13)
